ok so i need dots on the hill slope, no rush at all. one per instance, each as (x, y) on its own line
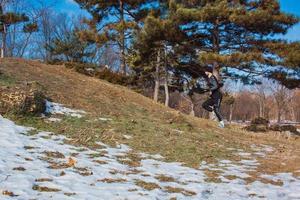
(132, 119)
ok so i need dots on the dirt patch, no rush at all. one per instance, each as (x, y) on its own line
(62, 165)
(44, 180)
(101, 162)
(19, 169)
(147, 185)
(109, 180)
(69, 194)
(44, 189)
(213, 176)
(28, 147)
(9, 193)
(163, 178)
(83, 171)
(54, 154)
(179, 190)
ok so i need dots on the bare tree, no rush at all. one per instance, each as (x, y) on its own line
(283, 97)
(260, 91)
(296, 105)
(108, 56)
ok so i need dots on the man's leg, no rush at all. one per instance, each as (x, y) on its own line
(217, 111)
(208, 105)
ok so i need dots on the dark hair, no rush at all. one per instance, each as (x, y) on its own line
(209, 69)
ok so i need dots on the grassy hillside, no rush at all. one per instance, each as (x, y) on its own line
(153, 127)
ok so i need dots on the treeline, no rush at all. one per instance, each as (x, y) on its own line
(161, 47)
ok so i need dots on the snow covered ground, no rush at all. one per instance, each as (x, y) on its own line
(44, 167)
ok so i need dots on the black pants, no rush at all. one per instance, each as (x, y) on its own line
(214, 104)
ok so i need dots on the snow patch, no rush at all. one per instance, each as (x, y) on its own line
(56, 108)
(104, 119)
(127, 137)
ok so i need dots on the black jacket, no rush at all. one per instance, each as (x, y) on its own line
(213, 84)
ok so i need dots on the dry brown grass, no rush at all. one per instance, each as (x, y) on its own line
(147, 185)
(44, 189)
(101, 162)
(164, 178)
(43, 180)
(179, 190)
(109, 180)
(53, 154)
(19, 169)
(9, 193)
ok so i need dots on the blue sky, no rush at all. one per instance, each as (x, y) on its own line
(288, 6)
(293, 7)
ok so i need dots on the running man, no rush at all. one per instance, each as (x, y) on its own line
(213, 104)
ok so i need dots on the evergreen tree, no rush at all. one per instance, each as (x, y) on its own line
(113, 21)
(154, 57)
(6, 20)
(71, 48)
(237, 38)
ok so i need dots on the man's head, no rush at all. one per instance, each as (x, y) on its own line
(209, 72)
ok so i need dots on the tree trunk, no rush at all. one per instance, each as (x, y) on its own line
(260, 108)
(263, 109)
(293, 113)
(166, 84)
(22, 49)
(230, 114)
(167, 100)
(192, 113)
(3, 45)
(157, 82)
(279, 116)
(122, 40)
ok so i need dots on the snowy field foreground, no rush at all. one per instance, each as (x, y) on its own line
(44, 167)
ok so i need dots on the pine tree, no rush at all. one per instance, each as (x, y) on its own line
(113, 21)
(237, 38)
(153, 45)
(6, 20)
(71, 48)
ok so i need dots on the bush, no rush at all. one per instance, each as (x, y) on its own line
(33, 104)
(83, 68)
(104, 74)
(28, 99)
(283, 128)
(260, 121)
(113, 77)
(257, 128)
(259, 125)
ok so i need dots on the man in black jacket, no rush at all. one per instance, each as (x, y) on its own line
(213, 104)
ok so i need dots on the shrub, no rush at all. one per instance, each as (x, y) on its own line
(259, 125)
(112, 77)
(260, 121)
(283, 128)
(28, 99)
